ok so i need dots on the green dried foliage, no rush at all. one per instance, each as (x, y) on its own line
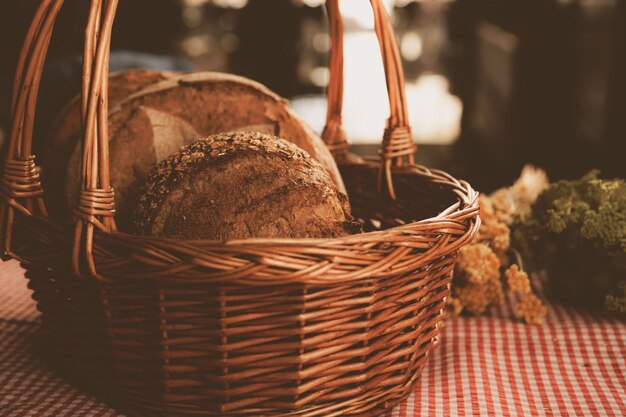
(576, 230)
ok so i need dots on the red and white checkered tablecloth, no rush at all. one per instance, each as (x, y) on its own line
(574, 365)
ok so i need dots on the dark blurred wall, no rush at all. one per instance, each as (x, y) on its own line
(542, 81)
(615, 149)
(514, 68)
(142, 25)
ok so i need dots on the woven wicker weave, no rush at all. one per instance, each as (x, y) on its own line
(253, 327)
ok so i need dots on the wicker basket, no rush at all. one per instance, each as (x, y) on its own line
(253, 327)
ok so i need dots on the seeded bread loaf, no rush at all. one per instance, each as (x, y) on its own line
(242, 185)
(154, 123)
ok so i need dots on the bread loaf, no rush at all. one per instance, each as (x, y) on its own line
(67, 128)
(242, 185)
(157, 121)
(66, 132)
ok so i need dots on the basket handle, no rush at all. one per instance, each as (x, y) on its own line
(96, 203)
(20, 186)
(397, 139)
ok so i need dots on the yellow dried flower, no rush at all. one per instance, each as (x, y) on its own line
(454, 307)
(487, 213)
(527, 188)
(517, 280)
(478, 263)
(478, 282)
(531, 309)
(506, 203)
(502, 242)
(498, 235)
(476, 298)
(495, 292)
(503, 205)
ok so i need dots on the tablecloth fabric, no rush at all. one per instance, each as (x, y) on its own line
(574, 365)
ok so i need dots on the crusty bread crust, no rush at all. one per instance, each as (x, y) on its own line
(156, 121)
(242, 185)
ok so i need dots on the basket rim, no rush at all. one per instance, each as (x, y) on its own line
(467, 201)
(420, 245)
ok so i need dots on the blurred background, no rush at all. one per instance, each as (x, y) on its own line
(491, 84)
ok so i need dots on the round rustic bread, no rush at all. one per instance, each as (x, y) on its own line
(65, 133)
(242, 185)
(152, 124)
